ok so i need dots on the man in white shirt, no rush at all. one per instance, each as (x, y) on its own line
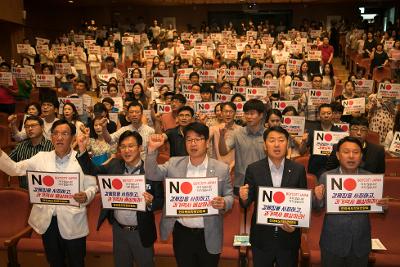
(63, 228)
(135, 114)
(197, 239)
(168, 52)
(32, 53)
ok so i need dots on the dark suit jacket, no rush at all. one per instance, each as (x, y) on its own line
(345, 233)
(146, 225)
(259, 174)
(373, 159)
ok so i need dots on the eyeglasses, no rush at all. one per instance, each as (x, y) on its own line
(195, 140)
(131, 146)
(357, 129)
(63, 135)
(31, 126)
(228, 111)
(135, 111)
(184, 116)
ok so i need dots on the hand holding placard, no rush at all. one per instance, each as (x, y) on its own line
(80, 197)
(218, 203)
(244, 192)
(148, 198)
(319, 191)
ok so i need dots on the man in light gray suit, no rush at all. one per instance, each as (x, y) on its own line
(197, 240)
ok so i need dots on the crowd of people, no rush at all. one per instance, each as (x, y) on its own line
(217, 102)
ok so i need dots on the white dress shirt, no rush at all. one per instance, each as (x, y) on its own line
(195, 171)
(276, 173)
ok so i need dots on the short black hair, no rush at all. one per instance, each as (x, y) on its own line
(99, 107)
(316, 75)
(350, 139)
(34, 118)
(325, 105)
(193, 74)
(198, 128)
(134, 134)
(360, 121)
(136, 103)
(196, 84)
(273, 111)
(205, 90)
(5, 64)
(337, 107)
(108, 100)
(238, 95)
(186, 108)
(61, 122)
(51, 100)
(181, 98)
(231, 104)
(254, 104)
(290, 109)
(278, 129)
(84, 82)
(112, 85)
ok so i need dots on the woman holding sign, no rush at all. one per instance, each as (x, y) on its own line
(273, 244)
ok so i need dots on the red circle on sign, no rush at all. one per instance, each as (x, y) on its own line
(388, 87)
(161, 80)
(254, 91)
(282, 105)
(360, 82)
(223, 97)
(191, 96)
(241, 90)
(206, 106)
(267, 82)
(279, 197)
(206, 73)
(345, 128)
(350, 184)
(239, 106)
(288, 120)
(258, 72)
(294, 61)
(318, 93)
(328, 137)
(167, 109)
(232, 72)
(117, 184)
(351, 102)
(186, 187)
(48, 180)
(300, 84)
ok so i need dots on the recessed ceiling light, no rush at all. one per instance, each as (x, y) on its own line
(70, 1)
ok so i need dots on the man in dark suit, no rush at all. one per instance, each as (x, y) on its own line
(273, 244)
(373, 155)
(134, 232)
(345, 238)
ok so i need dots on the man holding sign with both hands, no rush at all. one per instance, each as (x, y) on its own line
(197, 239)
(273, 244)
(134, 232)
(63, 227)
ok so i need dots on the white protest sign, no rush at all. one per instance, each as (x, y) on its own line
(257, 53)
(78, 103)
(105, 78)
(346, 193)
(293, 65)
(257, 74)
(324, 141)
(207, 76)
(276, 206)
(160, 81)
(41, 41)
(294, 125)
(45, 80)
(53, 188)
(94, 49)
(63, 68)
(354, 105)
(130, 82)
(231, 54)
(364, 87)
(314, 55)
(389, 90)
(233, 75)
(161, 109)
(240, 90)
(300, 87)
(273, 67)
(206, 107)
(150, 54)
(6, 78)
(192, 97)
(43, 49)
(222, 97)
(184, 74)
(318, 97)
(281, 105)
(271, 85)
(21, 73)
(23, 48)
(395, 145)
(344, 126)
(122, 191)
(256, 93)
(190, 196)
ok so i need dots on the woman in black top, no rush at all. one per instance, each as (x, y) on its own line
(369, 45)
(379, 58)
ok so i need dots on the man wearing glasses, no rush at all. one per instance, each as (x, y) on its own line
(373, 155)
(197, 239)
(63, 228)
(135, 113)
(35, 143)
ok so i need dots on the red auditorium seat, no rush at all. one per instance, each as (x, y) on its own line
(391, 187)
(384, 227)
(233, 225)
(303, 160)
(309, 250)
(373, 137)
(162, 248)
(98, 242)
(14, 212)
(380, 74)
(311, 181)
(3, 118)
(392, 167)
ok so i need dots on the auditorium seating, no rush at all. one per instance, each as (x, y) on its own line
(303, 160)
(384, 227)
(380, 74)
(391, 187)
(3, 118)
(311, 181)
(309, 250)
(14, 212)
(162, 248)
(373, 137)
(392, 167)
